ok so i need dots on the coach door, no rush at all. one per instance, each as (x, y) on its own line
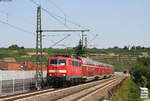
(70, 68)
(73, 68)
(84, 70)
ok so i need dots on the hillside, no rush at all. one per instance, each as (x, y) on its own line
(120, 58)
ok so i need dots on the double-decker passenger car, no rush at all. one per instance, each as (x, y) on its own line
(67, 70)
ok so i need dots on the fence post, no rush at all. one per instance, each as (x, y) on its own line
(0, 83)
(31, 79)
(13, 86)
(22, 85)
(1, 87)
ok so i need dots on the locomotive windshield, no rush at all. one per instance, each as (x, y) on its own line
(57, 62)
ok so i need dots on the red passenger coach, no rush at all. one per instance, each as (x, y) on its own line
(68, 70)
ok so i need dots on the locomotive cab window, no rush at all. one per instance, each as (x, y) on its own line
(57, 62)
(62, 62)
(53, 61)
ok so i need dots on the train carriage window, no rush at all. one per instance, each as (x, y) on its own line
(76, 64)
(73, 64)
(79, 64)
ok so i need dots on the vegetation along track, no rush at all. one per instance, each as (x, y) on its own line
(66, 94)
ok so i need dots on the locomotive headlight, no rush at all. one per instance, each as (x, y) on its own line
(64, 74)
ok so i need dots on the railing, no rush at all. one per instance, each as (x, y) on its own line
(13, 82)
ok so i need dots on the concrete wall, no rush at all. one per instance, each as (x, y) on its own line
(17, 81)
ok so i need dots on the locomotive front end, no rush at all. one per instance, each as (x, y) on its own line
(56, 71)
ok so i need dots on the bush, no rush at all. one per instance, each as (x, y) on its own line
(15, 47)
(141, 72)
(128, 91)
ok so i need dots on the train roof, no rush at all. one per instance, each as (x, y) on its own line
(92, 62)
(87, 61)
(62, 57)
(84, 60)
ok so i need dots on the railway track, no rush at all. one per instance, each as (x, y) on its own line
(78, 96)
(23, 95)
(73, 93)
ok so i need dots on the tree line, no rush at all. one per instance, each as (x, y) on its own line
(15, 47)
(131, 47)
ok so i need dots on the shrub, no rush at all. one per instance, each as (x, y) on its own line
(141, 72)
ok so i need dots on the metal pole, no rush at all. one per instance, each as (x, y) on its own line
(39, 74)
(82, 38)
(1, 87)
(86, 42)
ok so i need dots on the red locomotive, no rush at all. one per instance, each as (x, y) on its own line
(67, 70)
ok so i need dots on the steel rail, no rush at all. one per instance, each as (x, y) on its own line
(82, 93)
(54, 95)
(62, 93)
(17, 96)
(95, 95)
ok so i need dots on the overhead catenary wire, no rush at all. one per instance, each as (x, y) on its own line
(58, 17)
(16, 27)
(64, 18)
(60, 40)
(95, 37)
(50, 14)
(4, 13)
(55, 17)
(57, 7)
(51, 2)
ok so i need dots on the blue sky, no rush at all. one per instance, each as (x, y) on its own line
(117, 22)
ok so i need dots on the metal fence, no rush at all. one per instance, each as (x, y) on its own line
(12, 82)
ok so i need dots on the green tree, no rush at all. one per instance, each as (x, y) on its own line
(116, 47)
(141, 72)
(15, 47)
(80, 50)
(125, 48)
(138, 47)
(133, 47)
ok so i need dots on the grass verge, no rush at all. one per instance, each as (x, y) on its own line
(128, 91)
